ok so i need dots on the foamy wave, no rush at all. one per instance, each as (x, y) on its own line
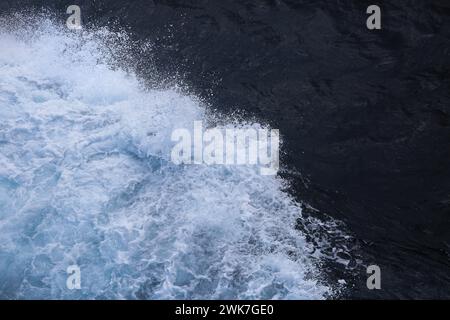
(85, 179)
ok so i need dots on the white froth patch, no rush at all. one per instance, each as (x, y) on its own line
(85, 179)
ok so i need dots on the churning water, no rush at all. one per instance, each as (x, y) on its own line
(86, 179)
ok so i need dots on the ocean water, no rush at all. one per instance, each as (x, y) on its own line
(86, 179)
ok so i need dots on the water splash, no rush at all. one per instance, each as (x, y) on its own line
(85, 179)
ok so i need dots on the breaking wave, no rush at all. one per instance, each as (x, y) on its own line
(86, 179)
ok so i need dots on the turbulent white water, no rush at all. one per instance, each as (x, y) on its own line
(85, 179)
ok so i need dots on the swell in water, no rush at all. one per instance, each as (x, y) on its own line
(86, 179)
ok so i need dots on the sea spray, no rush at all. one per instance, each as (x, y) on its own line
(86, 180)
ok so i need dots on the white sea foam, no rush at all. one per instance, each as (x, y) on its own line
(86, 179)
